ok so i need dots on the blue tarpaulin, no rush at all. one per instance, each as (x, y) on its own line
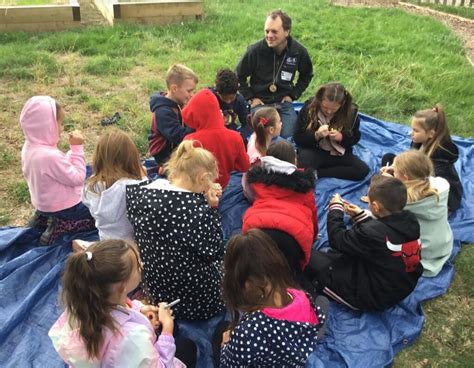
(30, 275)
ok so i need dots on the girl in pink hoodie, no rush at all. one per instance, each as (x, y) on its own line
(55, 179)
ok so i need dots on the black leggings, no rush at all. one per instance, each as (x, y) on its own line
(347, 167)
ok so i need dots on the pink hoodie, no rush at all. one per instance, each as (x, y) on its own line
(54, 179)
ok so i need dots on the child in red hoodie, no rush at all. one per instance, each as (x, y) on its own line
(203, 114)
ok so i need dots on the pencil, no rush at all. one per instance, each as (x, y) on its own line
(173, 303)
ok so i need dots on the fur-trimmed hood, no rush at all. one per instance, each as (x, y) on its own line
(276, 172)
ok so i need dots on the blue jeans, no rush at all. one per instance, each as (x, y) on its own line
(287, 115)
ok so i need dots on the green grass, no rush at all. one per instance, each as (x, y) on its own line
(394, 63)
(460, 11)
(19, 192)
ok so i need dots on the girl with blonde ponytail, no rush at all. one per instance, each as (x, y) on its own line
(428, 200)
(178, 230)
(101, 326)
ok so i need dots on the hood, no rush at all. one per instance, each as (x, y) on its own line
(273, 171)
(203, 111)
(159, 99)
(403, 223)
(38, 121)
(432, 207)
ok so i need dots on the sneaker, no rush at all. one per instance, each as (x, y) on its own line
(46, 236)
(109, 121)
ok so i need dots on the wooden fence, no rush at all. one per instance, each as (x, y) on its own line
(463, 3)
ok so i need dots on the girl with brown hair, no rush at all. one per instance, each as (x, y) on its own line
(327, 129)
(101, 326)
(430, 135)
(115, 164)
(280, 324)
(266, 123)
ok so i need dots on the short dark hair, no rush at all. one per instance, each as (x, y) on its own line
(389, 191)
(282, 150)
(226, 82)
(285, 18)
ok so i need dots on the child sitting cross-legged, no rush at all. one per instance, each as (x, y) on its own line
(375, 264)
(101, 327)
(280, 324)
(55, 179)
(428, 200)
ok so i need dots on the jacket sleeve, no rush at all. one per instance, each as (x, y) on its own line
(352, 242)
(242, 110)
(304, 138)
(137, 349)
(69, 169)
(305, 70)
(242, 162)
(244, 70)
(169, 125)
(352, 136)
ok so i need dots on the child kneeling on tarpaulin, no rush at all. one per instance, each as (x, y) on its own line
(375, 264)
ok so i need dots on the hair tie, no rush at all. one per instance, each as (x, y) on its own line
(262, 120)
(435, 109)
(88, 256)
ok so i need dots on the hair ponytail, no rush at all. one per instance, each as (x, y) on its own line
(434, 119)
(87, 288)
(263, 119)
(189, 160)
(337, 93)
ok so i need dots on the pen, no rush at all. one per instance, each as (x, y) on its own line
(173, 303)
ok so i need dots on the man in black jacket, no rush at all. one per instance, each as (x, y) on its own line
(271, 64)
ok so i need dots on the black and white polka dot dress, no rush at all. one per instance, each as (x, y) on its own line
(180, 241)
(262, 341)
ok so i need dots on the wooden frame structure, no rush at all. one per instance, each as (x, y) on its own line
(40, 18)
(150, 12)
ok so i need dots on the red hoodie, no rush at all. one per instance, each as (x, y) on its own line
(203, 114)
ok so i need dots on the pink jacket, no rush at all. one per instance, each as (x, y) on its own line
(134, 344)
(54, 179)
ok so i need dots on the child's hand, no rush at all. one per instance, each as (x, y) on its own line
(213, 195)
(225, 337)
(387, 170)
(352, 210)
(165, 316)
(335, 135)
(151, 312)
(336, 199)
(322, 132)
(76, 138)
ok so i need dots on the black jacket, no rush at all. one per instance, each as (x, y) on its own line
(167, 129)
(305, 138)
(368, 274)
(261, 64)
(443, 159)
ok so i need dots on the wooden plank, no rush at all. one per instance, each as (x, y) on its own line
(36, 14)
(138, 10)
(39, 27)
(157, 20)
(106, 7)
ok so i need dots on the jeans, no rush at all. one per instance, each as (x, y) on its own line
(287, 115)
(77, 212)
